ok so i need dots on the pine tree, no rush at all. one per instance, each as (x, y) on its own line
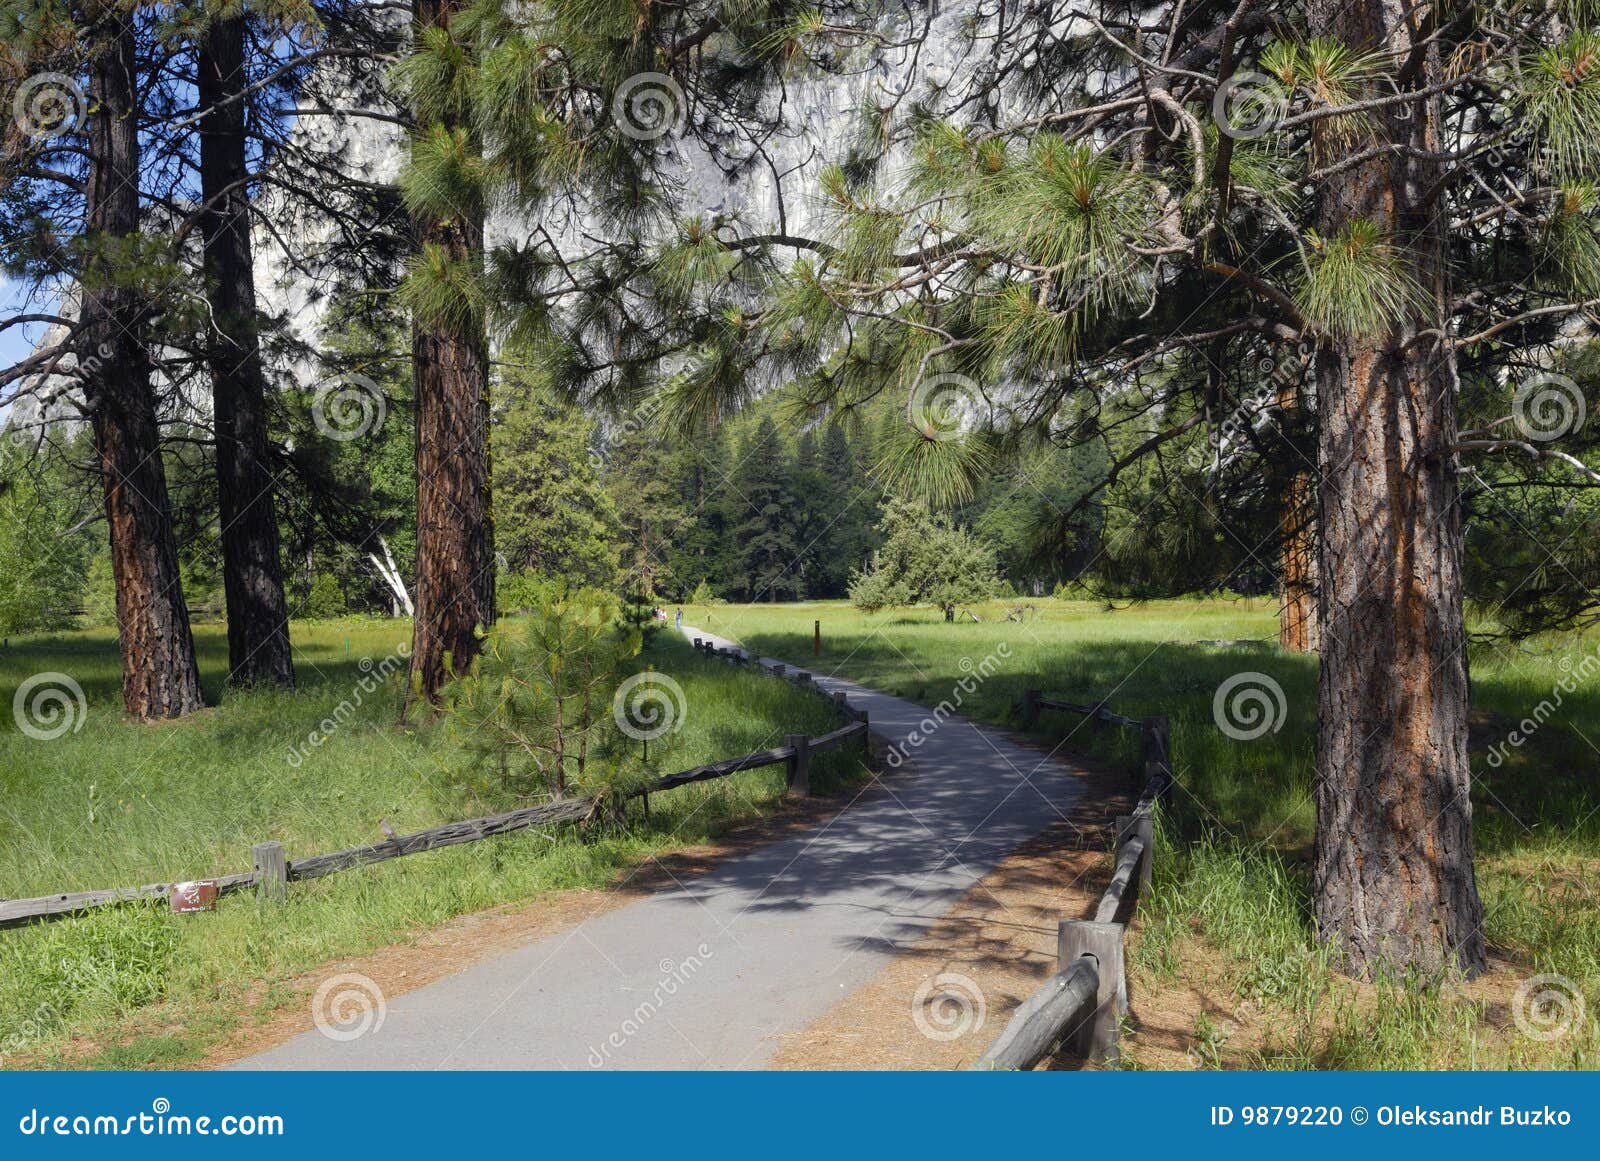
(1132, 231)
(766, 535)
(258, 618)
(551, 514)
(449, 351)
(160, 676)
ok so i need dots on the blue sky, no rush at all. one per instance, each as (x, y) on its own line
(15, 342)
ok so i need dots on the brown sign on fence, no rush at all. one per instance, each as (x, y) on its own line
(200, 895)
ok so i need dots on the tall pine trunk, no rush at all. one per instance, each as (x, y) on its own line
(455, 552)
(1393, 870)
(1297, 554)
(1297, 593)
(252, 571)
(160, 678)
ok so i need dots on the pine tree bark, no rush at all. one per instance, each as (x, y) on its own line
(160, 678)
(1297, 601)
(1394, 883)
(252, 569)
(455, 547)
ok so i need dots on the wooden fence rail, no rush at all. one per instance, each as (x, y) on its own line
(1080, 1007)
(273, 871)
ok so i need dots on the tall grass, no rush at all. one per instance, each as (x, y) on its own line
(117, 804)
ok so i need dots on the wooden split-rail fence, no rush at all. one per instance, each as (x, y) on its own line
(1080, 1008)
(274, 871)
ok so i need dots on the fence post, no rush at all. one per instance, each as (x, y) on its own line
(816, 638)
(1138, 825)
(1095, 1038)
(800, 764)
(842, 700)
(272, 872)
(1030, 708)
(1156, 733)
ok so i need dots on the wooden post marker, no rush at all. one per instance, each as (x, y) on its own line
(1156, 733)
(1139, 826)
(1030, 708)
(272, 872)
(816, 638)
(800, 764)
(1095, 1038)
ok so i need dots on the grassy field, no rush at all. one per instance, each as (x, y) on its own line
(114, 804)
(1232, 889)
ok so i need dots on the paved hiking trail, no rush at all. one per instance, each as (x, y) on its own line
(712, 973)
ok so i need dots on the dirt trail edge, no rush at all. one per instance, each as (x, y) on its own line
(713, 972)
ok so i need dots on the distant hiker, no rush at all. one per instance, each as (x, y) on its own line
(678, 620)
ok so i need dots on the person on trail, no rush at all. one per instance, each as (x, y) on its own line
(678, 620)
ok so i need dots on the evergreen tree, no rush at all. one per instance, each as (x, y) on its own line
(1112, 226)
(641, 476)
(551, 514)
(857, 499)
(44, 553)
(258, 628)
(766, 536)
(449, 347)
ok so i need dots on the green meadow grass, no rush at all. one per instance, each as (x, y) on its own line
(116, 804)
(1236, 839)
